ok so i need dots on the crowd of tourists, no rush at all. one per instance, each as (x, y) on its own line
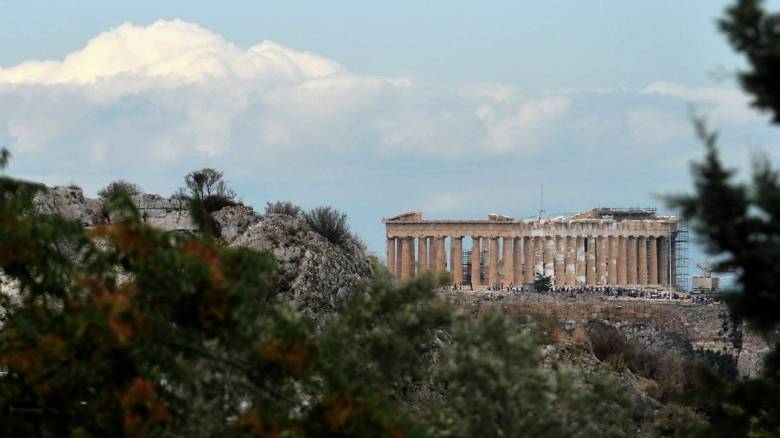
(616, 291)
(606, 291)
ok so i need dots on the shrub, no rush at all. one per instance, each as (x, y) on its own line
(329, 223)
(119, 186)
(208, 186)
(672, 371)
(609, 345)
(724, 363)
(282, 207)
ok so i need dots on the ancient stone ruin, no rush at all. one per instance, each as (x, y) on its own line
(616, 247)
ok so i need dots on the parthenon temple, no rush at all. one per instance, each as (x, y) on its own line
(604, 246)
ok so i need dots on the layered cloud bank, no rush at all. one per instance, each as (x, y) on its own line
(146, 102)
(176, 89)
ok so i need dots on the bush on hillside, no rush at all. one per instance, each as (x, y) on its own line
(119, 186)
(329, 223)
(283, 207)
(208, 186)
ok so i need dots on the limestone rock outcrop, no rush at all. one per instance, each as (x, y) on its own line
(234, 221)
(750, 360)
(315, 273)
(70, 203)
(168, 214)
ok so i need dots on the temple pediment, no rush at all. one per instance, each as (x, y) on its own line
(411, 216)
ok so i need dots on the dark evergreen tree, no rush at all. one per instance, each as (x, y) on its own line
(542, 283)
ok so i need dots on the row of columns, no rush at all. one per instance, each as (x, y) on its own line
(569, 260)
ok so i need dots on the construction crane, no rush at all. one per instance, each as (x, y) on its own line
(705, 268)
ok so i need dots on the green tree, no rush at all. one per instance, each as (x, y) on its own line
(119, 186)
(209, 187)
(542, 283)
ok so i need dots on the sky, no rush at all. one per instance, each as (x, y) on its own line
(456, 109)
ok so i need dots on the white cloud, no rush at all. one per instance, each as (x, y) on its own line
(651, 129)
(189, 92)
(497, 92)
(723, 105)
(170, 50)
(525, 128)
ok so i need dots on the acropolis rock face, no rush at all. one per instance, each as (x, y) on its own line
(658, 324)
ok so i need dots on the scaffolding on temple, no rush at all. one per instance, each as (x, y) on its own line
(484, 262)
(680, 243)
(465, 261)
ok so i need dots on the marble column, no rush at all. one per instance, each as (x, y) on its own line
(456, 254)
(652, 265)
(538, 259)
(411, 257)
(549, 251)
(641, 260)
(602, 257)
(493, 262)
(407, 257)
(517, 261)
(622, 261)
(631, 249)
(663, 260)
(507, 276)
(422, 255)
(571, 261)
(475, 262)
(613, 259)
(560, 253)
(528, 259)
(580, 267)
(441, 255)
(432, 248)
(590, 261)
(391, 256)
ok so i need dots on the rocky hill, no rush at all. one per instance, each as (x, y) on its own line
(315, 273)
